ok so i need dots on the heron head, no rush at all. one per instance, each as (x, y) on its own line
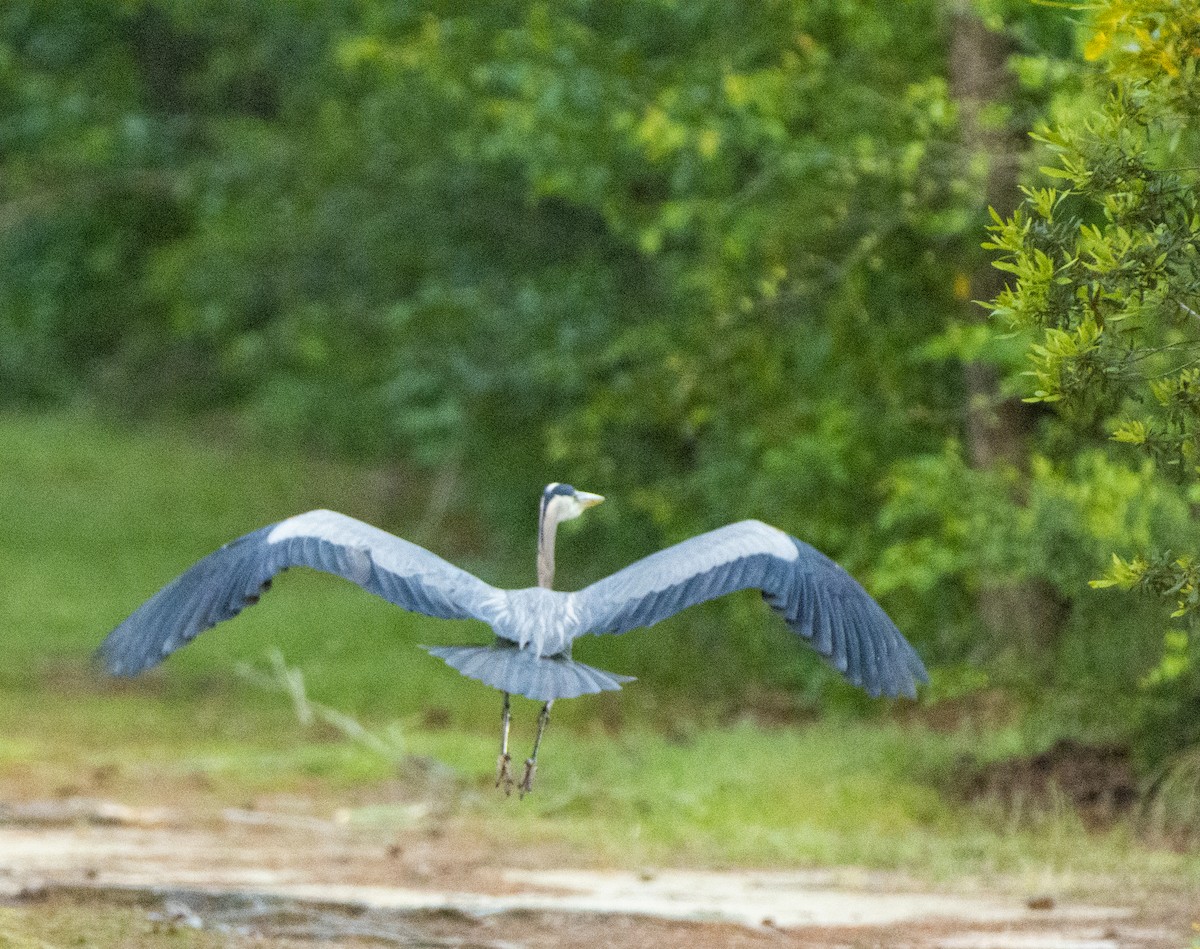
(561, 502)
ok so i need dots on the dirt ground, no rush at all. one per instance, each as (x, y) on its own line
(291, 871)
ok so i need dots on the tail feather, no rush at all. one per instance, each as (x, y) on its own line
(520, 672)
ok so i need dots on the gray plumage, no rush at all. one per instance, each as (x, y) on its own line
(534, 627)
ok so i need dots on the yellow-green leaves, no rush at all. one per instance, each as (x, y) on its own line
(1131, 432)
(1125, 574)
(1147, 39)
(1102, 268)
(1062, 361)
(1175, 662)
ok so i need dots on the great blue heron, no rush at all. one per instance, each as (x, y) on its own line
(534, 627)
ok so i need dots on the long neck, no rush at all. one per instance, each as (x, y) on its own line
(547, 526)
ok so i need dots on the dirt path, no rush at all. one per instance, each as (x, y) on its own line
(280, 876)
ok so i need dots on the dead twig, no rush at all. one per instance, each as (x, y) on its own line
(289, 680)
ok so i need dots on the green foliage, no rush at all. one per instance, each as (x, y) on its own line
(1106, 280)
(702, 257)
(958, 532)
(1105, 265)
(676, 253)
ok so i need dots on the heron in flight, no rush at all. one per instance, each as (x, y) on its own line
(534, 627)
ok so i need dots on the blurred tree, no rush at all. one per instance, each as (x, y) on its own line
(700, 256)
(1024, 614)
(1044, 508)
(1105, 280)
(663, 244)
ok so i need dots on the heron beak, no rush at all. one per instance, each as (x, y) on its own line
(588, 500)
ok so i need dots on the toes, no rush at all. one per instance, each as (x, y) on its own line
(527, 781)
(504, 773)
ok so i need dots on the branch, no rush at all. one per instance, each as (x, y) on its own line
(282, 678)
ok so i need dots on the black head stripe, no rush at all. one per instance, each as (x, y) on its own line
(553, 490)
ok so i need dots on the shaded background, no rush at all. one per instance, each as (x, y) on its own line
(711, 259)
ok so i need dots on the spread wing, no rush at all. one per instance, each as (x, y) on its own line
(223, 583)
(818, 599)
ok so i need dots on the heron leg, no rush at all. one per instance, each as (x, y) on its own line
(503, 772)
(531, 761)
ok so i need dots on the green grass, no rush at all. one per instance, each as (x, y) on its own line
(61, 923)
(95, 518)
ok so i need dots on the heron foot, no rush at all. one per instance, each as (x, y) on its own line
(504, 772)
(527, 781)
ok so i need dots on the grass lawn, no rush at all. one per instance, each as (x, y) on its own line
(96, 518)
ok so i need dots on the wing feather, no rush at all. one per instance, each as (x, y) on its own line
(222, 584)
(872, 679)
(818, 599)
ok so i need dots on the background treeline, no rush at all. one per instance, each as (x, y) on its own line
(715, 259)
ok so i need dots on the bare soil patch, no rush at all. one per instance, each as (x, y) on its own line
(285, 873)
(1098, 781)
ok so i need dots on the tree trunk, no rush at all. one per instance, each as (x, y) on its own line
(1024, 615)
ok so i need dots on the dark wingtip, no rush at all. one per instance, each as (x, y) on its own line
(917, 675)
(115, 660)
(104, 662)
(916, 668)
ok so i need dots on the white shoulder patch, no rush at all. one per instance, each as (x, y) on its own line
(388, 551)
(775, 541)
(706, 552)
(326, 525)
